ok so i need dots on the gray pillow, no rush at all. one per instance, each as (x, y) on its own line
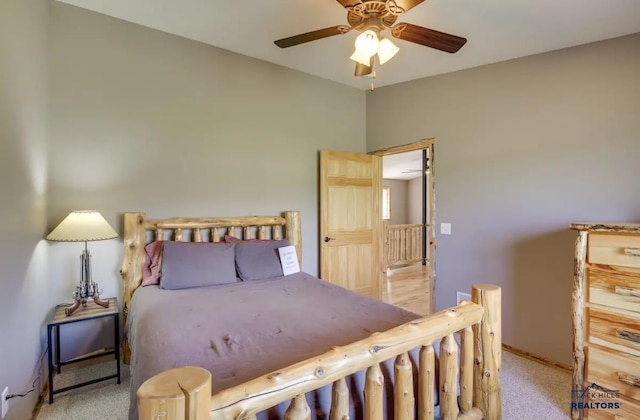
(257, 260)
(196, 264)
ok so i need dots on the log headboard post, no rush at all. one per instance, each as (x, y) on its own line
(135, 238)
(293, 232)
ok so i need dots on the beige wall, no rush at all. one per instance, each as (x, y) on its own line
(524, 148)
(399, 200)
(414, 196)
(146, 121)
(24, 286)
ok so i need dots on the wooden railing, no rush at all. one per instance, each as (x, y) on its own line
(183, 393)
(403, 244)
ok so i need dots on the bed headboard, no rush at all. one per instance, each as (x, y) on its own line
(207, 229)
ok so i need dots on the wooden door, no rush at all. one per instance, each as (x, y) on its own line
(351, 221)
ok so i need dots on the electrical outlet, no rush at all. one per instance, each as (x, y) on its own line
(5, 402)
(460, 296)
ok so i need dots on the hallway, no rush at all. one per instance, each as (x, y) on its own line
(409, 287)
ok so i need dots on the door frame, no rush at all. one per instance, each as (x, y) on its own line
(429, 191)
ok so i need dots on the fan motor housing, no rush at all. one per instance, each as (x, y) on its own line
(373, 13)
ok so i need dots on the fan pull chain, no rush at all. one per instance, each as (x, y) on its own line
(373, 79)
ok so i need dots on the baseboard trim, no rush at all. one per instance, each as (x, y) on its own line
(39, 402)
(537, 358)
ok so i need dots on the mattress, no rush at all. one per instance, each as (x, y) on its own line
(247, 329)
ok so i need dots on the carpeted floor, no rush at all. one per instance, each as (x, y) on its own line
(103, 400)
(530, 391)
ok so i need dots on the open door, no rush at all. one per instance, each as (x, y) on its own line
(351, 221)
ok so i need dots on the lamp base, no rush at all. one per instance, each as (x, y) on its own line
(87, 288)
(80, 301)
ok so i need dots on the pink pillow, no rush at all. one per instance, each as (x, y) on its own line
(152, 263)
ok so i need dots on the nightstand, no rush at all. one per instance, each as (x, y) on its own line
(91, 311)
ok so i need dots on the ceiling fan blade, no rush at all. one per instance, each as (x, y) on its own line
(362, 70)
(408, 4)
(311, 36)
(428, 37)
(350, 3)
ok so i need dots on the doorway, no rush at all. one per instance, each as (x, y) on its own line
(409, 207)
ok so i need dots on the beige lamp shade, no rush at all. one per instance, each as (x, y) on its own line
(82, 226)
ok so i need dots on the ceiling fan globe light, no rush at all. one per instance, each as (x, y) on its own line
(386, 50)
(358, 57)
(367, 43)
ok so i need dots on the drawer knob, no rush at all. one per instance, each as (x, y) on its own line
(632, 252)
(628, 335)
(627, 291)
(629, 379)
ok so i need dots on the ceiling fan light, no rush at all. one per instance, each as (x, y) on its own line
(386, 50)
(361, 58)
(367, 43)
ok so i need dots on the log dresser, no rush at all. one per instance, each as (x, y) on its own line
(606, 322)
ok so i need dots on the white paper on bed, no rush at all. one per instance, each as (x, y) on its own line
(289, 260)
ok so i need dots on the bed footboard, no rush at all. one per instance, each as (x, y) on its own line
(175, 392)
(178, 394)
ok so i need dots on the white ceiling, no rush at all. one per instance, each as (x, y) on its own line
(402, 166)
(496, 30)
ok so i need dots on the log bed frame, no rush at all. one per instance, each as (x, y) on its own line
(185, 393)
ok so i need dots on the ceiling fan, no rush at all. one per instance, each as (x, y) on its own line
(371, 17)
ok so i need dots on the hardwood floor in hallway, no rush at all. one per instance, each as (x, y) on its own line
(409, 287)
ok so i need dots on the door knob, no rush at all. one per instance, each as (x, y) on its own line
(327, 239)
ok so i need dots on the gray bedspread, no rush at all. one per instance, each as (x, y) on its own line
(243, 330)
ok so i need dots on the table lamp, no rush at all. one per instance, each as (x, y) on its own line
(84, 226)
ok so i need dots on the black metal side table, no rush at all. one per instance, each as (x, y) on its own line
(91, 311)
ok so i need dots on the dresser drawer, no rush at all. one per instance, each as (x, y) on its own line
(614, 249)
(616, 288)
(614, 331)
(614, 371)
(628, 410)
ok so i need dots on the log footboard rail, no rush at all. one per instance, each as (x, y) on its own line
(185, 393)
